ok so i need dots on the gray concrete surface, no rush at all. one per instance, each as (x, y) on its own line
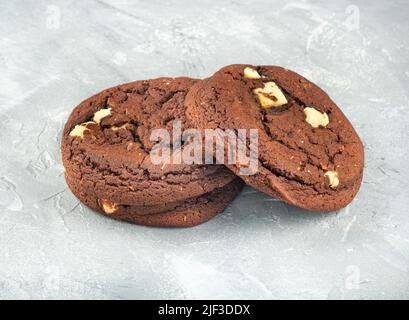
(54, 54)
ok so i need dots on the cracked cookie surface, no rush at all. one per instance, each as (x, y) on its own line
(309, 154)
(106, 145)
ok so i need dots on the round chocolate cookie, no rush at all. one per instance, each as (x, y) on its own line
(185, 213)
(106, 145)
(309, 155)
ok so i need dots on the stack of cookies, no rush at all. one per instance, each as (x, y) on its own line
(308, 155)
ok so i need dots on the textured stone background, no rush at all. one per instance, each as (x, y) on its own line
(55, 54)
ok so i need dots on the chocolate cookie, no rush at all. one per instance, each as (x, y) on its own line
(309, 155)
(106, 145)
(186, 213)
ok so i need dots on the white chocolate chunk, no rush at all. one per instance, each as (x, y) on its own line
(270, 96)
(109, 207)
(79, 129)
(315, 118)
(251, 73)
(100, 114)
(116, 128)
(333, 178)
